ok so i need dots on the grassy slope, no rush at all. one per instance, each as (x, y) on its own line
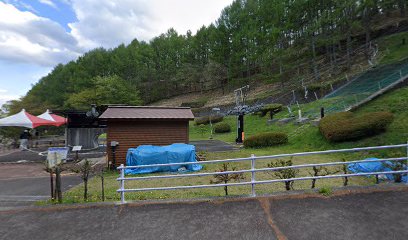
(393, 48)
(309, 140)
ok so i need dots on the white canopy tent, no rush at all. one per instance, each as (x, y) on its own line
(24, 119)
(58, 121)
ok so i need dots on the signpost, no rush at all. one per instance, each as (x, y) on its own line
(55, 157)
(76, 149)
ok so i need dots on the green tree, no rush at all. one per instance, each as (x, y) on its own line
(106, 90)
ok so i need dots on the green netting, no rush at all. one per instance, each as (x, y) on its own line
(373, 80)
(360, 88)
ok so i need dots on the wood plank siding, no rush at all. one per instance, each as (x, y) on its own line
(132, 133)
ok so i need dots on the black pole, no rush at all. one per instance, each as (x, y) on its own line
(58, 184)
(52, 184)
(113, 157)
(322, 112)
(240, 129)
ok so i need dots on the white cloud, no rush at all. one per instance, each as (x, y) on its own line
(5, 96)
(107, 23)
(26, 37)
(49, 3)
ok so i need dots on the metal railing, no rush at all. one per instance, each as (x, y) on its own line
(122, 190)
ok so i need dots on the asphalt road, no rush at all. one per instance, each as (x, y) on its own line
(23, 184)
(378, 215)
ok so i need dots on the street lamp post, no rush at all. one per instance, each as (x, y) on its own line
(216, 110)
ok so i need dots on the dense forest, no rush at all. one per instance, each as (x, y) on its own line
(252, 40)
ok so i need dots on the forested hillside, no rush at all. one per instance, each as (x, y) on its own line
(252, 42)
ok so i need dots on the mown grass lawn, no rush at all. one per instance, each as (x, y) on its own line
(310, 139)
(111, 185)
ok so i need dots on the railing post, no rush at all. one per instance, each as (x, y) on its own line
(253, 193)
(406, 162)
(122, 184)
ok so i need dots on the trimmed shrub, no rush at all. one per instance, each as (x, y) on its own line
(197, 104)
(271, 109)
(222, 127)
(266, 140)
(206, 120)
(347, 126)
(195, 111)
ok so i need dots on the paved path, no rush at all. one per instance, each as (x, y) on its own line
(378, 215)
(213, 146)
(28, 156)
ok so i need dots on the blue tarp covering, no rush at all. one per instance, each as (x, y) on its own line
(148, 154)
(374, 167)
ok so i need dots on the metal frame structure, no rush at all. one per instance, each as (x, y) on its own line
(122, 190)
(240, 97)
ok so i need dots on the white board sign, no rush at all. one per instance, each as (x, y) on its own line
(76, 148)
(56, 155)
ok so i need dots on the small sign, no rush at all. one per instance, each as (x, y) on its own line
(76, 148)
(56, 155)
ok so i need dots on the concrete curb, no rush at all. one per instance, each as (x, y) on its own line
(215, 200)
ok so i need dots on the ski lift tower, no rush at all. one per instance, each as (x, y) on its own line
(240, 96)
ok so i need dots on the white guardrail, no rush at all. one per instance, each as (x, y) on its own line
(122, 190)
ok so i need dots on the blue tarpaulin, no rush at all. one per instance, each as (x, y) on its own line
(374, 167)
(148, 155)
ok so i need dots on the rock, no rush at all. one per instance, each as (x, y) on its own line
(271, 121)
(302, 120)
(285, 120)
(315, 122)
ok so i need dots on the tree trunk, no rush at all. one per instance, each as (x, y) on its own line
(226, 188)
(345, 183)
(313, 183)
(402, 5)
(366, 20)
(348, 50)
(85, 189)
(334, 55)
(281, 72)
(314, 64)
(103, 187)
(287, 185)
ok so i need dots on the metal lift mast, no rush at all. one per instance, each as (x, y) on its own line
(240, 96)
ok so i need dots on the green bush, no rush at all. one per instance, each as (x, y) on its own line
(348, 126)
(326, 191)
(222, 127)
(266, 140)
(271, 109)
(195, 111)
(320, 88)
(206, 120)
(196, 104)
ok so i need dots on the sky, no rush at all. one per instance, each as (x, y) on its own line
(36, 35)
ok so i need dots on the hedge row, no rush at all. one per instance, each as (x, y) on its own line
(222, 127)
(266, 140)
(271, 109)
(206, 120)
(346, 126)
